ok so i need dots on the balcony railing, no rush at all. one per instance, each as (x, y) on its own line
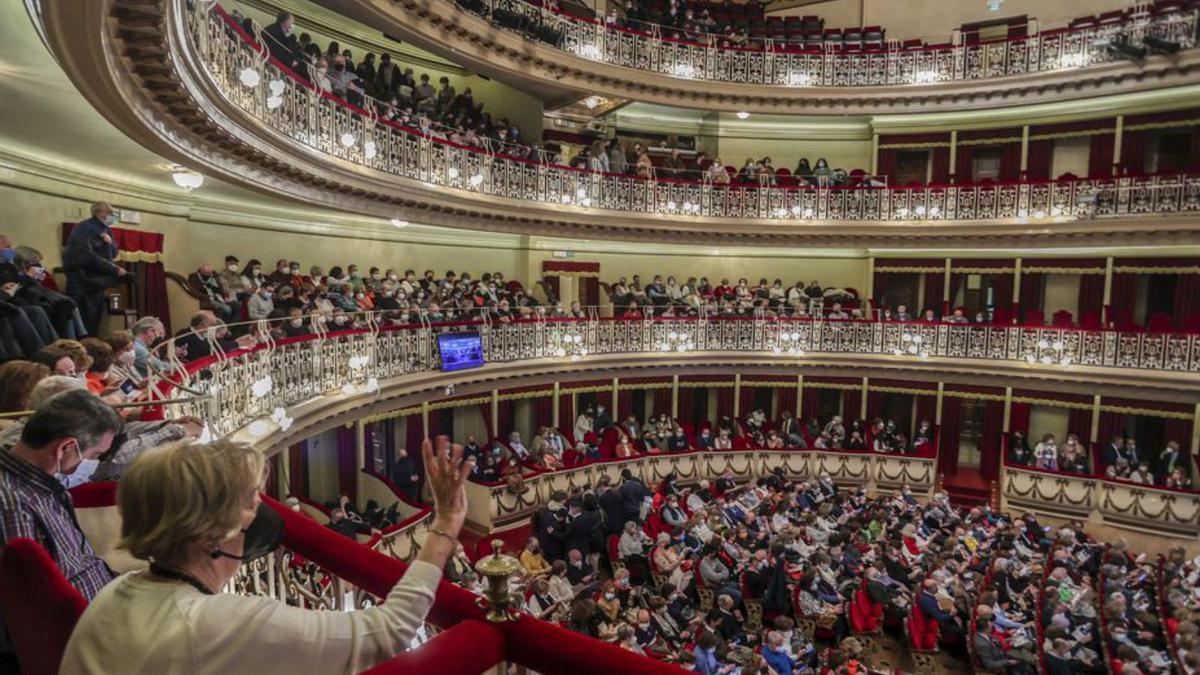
(777, 63)
(290, 107)
(254, 384)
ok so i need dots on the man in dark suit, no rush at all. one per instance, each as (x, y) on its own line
(551, 533)
(88, 262)
(991, 655)
(633, 495)
(947, 622)
(603, 420)
(789, 429)
(282, 42)
(581, 526)
(613, 506)
(194, 339)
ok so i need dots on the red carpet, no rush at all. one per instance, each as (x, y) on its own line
(478, 545)
(967, 488)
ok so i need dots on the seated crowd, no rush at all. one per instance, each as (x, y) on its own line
(1133, 632)
(33, 311)
(1180, 594)
(1120, 459)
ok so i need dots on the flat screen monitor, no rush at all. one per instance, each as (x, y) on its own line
(460, 351)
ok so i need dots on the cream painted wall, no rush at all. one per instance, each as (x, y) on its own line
(936, 20)
(1071, 155)
(322, 466)
(1047, 420)
(845, 154)
(1062, 292)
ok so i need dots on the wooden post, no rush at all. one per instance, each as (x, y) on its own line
(862, 406)
(937, 415)
(554, 405)
(1096, 419)
(616, 386)
(799, 396)
(737, 395)
(496, 412)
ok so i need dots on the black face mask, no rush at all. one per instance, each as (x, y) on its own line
(262, 537)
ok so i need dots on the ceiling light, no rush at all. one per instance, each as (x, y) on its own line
(188, 180)
(399, 223)
(591, 102)
(249, 77)
(743, 115)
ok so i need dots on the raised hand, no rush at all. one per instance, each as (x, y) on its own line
(446, 472)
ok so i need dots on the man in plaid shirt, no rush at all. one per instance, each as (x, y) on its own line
(65, 430)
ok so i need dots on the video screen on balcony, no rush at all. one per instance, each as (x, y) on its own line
(460, 351)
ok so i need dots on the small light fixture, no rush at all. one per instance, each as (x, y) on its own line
(399, 223)
(187, 179)
(249, 78)
(742, 114)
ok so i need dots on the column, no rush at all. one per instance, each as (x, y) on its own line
(874, 153)
(867, 311)
(554, 405)
(1016, 305)
(360, 453)
(799, 396)
(616, 385)
(946, 299)
(953, 154)
(1024, 150)
(495, 412)
(674, 397)
(937, 416)
(1195, 429)
(737, 395)
(1120, 133)
(1096, 421)
(862, 407)
(425, 417)
(1007, 409)
(1107, 304)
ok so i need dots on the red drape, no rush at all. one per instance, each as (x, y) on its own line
(347, 463)
(1002, 293)
(875, 401)
(885, 164)
(566, 412)
(1091, 295)
(662, 401)
(625, 405)
(1079, 422)
(810, 403)
(1179, 431)
(505, 416)
(687, 402)
(1133, 151)
(1040, 159)
(746, 400)
(1010, 161)
(298, 469)
(962, 165)
(724, 401)
(1111, 424)
(989, 441)
(926, 408)
(272, 486)
(951, 428)
(785, 399)
(935, 285)
(544, 411)
(1187, 297)
(589, 293)
(1122, 299)
(148, 294)
(851, 404)
(1033, 290)
(939, 170)
(1018, 419)
(1100, 156)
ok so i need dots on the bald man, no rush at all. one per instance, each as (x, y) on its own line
(88, 261)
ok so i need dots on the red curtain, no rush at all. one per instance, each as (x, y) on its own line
(662, 401)
(810, 403)
(875, 401)
(687, 402)
(1010, 161)
(1111, 424)
(745, 400)
(1179, 431)
(505, 416)
(1091, 295)
(485, 409)
(1133, 152)
(962, 165)
(1122, 299)
(1002, 292)
(724, 401)
(951, 428)
(544, 411)
(1187, 297)
(989, 442)
(1100, 156)
(939, 170)
(566, 412)
(272, 486)
(625, 405)
(785, 399)
(935, 284)
(1018, 419)
(298, 469)
(1040, 159)
(347, 463)
(589, 294)
(148, 295)
(1079, 422)
(1033, 288)
(885, 164)
(926, 408)
(851, 404)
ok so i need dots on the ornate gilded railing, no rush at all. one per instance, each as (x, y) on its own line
(1132, 505)
(291, 108)
(498, 505)
(776, 63)
(259, 384)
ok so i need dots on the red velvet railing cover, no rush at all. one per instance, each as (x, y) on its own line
(468, 647)
(536, 644)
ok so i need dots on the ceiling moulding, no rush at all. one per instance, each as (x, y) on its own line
(439, 26)
(135, 65)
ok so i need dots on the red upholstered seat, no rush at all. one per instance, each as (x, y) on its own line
(1160, 321)
(922, 632)
(40, 606)
(1064, 318)
(1090, 320)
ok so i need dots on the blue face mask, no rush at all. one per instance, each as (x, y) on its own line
(7, 254)
(111, 219)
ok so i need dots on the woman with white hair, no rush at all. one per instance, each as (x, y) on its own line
(193, 511)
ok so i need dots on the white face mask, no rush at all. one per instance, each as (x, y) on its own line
(126, 358)
(231, 268)
(297, 322)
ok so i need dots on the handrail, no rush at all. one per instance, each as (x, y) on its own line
(822, 64)
(260, 382)
(290, 107)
